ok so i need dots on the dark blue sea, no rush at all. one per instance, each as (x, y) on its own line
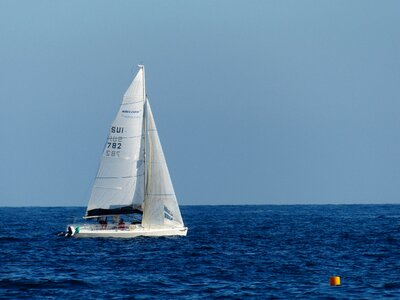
(231, 252)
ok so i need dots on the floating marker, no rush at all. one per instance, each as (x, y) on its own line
(334, 280)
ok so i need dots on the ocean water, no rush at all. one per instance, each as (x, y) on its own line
(231, 252)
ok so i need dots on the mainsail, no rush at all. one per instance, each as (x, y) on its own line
(119, 184)
(160, 206)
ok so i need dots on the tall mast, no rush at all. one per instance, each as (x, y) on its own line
(144, 130)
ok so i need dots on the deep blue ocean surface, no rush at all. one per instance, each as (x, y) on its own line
(231, 252)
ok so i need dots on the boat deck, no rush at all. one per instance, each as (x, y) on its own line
(133, 230)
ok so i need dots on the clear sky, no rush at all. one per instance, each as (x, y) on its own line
(256, 102)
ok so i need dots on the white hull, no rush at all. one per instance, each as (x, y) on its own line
(85, 231)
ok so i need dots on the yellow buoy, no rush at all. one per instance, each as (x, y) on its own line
(334, 280)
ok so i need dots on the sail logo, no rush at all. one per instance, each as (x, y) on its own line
(131, 114)
(131, 111)
(115, 129)
(168, 214)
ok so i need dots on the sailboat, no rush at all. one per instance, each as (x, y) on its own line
(132, 194)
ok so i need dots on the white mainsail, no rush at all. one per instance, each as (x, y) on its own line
(160, 206)
(119, 184)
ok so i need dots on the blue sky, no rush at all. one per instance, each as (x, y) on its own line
(256, 102)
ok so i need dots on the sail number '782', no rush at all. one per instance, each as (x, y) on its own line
(114, 143)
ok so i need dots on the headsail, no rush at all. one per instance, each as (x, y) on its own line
(119, 184)
(160, 206)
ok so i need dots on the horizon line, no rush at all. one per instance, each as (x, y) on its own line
(247, 204)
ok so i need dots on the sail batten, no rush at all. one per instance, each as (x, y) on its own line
(148, 194)
(121, 177)
(133, 102)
